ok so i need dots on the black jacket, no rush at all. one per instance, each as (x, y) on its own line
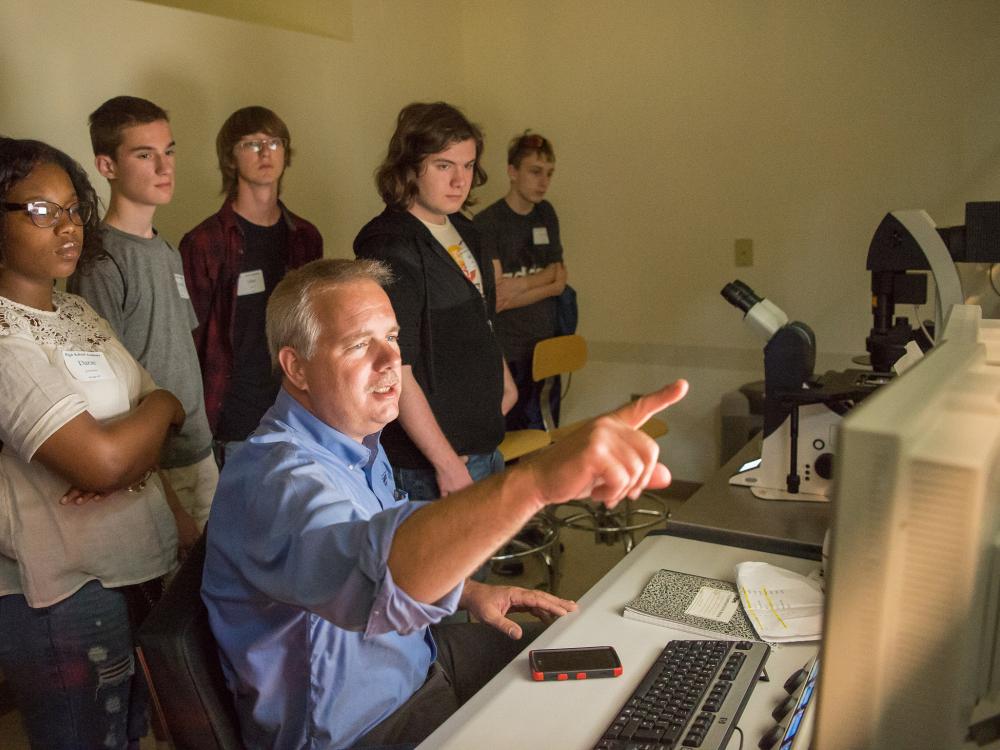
(446, 333)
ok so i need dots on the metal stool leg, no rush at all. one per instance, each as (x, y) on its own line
(611, 526)
(547, 548)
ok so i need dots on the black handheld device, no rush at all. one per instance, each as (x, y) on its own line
(574, 663)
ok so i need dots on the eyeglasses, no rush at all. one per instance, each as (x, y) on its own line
(45, 214)
(271, 144)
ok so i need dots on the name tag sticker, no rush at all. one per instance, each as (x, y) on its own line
(182, 289)
(88, 365)
(540, 235)
(251, 282)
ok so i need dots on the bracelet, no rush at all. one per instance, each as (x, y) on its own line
(140, 485)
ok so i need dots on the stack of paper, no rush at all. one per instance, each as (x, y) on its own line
(783, 606)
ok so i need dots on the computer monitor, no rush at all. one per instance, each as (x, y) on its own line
(910, 630)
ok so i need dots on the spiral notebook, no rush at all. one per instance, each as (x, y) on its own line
(702, 606)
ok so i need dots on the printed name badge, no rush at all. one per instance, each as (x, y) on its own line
(88, 365)
(540, 235)
(251, 282)
(182, 289)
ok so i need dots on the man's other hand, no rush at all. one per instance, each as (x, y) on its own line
(491, 604)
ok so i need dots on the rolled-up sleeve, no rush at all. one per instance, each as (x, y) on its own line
(393, 610)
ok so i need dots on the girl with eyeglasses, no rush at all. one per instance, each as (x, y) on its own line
(86, 532)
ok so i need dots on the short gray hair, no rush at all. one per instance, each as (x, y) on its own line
(291, 316)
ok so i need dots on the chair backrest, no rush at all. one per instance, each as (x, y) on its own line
(559, 355)
(180, 655)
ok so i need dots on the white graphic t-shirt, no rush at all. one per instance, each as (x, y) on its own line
(452, 241)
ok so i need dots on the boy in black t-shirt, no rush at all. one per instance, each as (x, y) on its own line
(520, 232)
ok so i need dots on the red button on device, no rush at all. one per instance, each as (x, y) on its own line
(581, 675)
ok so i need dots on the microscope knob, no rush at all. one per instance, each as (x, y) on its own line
(782, 709)
(797, 678)
(771, 737)
(824, 465)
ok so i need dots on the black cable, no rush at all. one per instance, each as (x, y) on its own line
(741, 738)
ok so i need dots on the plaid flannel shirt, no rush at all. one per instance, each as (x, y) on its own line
(212, 255)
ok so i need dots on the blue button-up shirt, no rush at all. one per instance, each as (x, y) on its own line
(317, 642)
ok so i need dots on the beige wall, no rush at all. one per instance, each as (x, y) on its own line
(679, 126)
(60, 59)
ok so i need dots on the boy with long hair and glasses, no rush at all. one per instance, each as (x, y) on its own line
(232, 262)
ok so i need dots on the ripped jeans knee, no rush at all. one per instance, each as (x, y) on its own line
(72, 669)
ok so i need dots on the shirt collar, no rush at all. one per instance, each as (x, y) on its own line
(295, 415)
(227, 215)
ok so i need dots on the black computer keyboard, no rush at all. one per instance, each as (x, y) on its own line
(692, 696)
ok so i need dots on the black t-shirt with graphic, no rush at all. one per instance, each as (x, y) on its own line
(523, 245)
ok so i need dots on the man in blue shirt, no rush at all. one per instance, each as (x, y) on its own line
(323, 586)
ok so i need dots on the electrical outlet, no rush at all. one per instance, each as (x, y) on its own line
(743, 251)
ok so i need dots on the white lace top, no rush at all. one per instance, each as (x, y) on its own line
(54, 366)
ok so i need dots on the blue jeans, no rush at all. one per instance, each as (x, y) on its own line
(72, 671)
(421, 484)
(527, 411)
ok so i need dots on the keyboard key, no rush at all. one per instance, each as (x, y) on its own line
(647, 733)
(630, 729)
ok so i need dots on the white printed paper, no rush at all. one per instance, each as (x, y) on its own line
(251, 282)
(88, 365)
(182, 289)
(783, 605)
(540, 235)
(713, 604)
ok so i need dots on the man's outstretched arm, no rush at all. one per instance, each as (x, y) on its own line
(608, 460)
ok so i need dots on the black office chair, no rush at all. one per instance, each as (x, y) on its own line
(179, 656)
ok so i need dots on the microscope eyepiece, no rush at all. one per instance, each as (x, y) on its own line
(738, 294)
(762, 315)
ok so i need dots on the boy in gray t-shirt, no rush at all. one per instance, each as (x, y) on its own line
(137, 284)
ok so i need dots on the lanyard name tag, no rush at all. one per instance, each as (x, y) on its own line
(540, 235)
(251, 282)
(88, 365)
(182, 289)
